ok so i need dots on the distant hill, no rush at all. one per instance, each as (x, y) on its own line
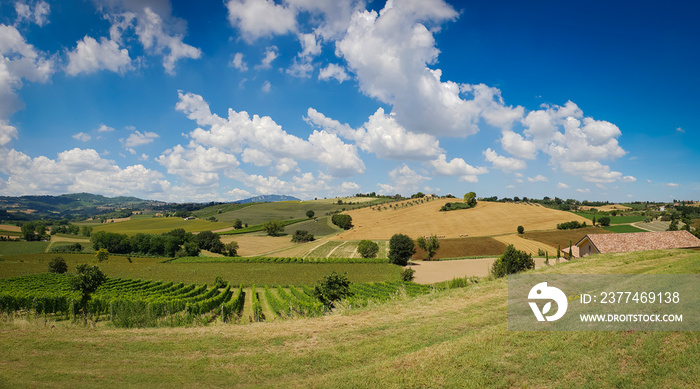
(267, 199)
(69, 206)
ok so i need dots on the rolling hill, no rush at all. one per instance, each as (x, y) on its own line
(486, 219)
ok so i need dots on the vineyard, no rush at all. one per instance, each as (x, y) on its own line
(144, 303)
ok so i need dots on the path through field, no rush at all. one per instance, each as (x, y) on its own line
(438, 271)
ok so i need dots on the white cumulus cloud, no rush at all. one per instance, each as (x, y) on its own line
(90, 56)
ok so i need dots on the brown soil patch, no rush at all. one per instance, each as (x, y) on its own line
(464, 247)
(10, 227)
(438, 271)
(485, 219)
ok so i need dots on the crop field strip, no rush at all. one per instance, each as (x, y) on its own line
(269, 272)
(128, 302)
(158, 225)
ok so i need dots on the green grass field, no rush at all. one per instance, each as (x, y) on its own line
(319, 228)
(623, 228)
(204, 273)
(454, 338)
(12, 248)
(282, 210)
(159, 225)
(613, 219)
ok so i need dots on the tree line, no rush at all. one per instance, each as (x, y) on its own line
(176, 243)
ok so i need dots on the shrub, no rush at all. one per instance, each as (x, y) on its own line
(367, 248)
(512, 261)
(430, 245)
(407, 274)
(273, 227)
(572, 225)
(604, 221)
(58, 266)
(231, 249)
(301, 236)
(310, 214)
(102, 255)
(332, 288)
(219, 283)
(68, 248)
(342, 221)
(454, 206)
(521, 230)
(237, 224)
(401, 249)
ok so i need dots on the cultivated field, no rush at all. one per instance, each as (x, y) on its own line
(527, 245)
(281, 210)
(464, 247)
(562, 237)
(607, 208)
(452, 338)
(259, 243)
(343, 199)
(485, 219)
(10, 227)
(159, 225)
(653, 226)
(203, 273)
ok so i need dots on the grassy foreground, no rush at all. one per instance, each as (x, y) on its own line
(455, 338)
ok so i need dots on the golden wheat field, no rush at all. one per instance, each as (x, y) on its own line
(486, 219)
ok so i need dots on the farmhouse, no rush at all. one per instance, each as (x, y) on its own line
(634, 241)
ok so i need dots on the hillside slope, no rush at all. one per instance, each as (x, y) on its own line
(457, 338)
(485, 219)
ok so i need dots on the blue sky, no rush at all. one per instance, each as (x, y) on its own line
(222, 100)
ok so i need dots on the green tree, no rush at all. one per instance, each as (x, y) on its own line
(604, 221)
(367, 248)
(273, 227)
(102, 255)
(211, 241)
(430, 245)
(673, 226)
(332, 288)
(231, 249)
(28, 231)
(401, 249)
(88, 279)
(87, 231)
(470, 199)
(302, 236)
(237, 224)
(310, 214)
(342, 221)
(521, 230)
(58, 265)
(512, 261)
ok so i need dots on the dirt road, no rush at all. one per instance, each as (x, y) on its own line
(438, 271)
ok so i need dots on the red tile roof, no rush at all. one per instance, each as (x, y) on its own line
(642, 241)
